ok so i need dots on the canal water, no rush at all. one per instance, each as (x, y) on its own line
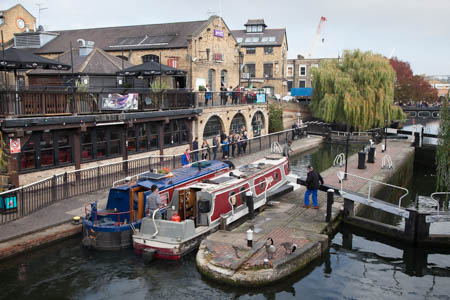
(358, 266)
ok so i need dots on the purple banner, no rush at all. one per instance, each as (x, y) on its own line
(218, 33)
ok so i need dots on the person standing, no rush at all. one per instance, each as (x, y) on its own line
(153, 201)
(287, 149)
(207, 95)
(313, 182)
(223, 95)
(215, 146)
(239, 143)
(195, 149)
(205, 150)
(225, 148)
(244, 141)
(185, 158)
(223, 136)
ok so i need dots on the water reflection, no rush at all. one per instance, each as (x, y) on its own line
(358, 266)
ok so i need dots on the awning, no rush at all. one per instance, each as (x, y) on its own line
(18, 59)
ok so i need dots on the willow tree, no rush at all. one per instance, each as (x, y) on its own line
(357, 91)
(443, 150)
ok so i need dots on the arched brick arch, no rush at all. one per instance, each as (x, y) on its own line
(212, 119)
(238, 120)
(264, 121)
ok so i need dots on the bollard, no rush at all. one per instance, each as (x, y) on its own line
(371, 156)
(330, 201)
(250, 238)
(250, 204)
(361, 160)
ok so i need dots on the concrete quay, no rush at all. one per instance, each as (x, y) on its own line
(225, 257)
(53, 223)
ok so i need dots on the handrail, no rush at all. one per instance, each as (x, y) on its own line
(341, 175)
(387, 160)
(246, 190)
(339, 160)
(437, 201)
(154, 223)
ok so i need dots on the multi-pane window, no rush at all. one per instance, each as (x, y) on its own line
(289, 85)
(150, 57)
(250, 50)
(28, 155)
(101, 142)
(237, 123)
(268, 70)
(251, 70)
(47, 151)
(290, 70)
(175, 133)
(302, 70)
(268, 50)
(302, 83)
(64, 148)
(86, 145)
(114, 140)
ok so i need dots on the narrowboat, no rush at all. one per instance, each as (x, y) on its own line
(110, 228)
(199, 208)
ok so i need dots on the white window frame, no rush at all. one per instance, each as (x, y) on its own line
(292, 67)
(301, 81)
(300, 70)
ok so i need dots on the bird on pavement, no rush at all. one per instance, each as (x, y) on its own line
(270, 248)
(289, 247)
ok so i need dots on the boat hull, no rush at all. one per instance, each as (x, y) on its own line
(172, 251)
(108, 237)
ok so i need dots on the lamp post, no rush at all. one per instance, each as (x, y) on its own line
(346, 155)
(385, 135)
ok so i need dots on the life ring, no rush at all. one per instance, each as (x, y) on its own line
(233, 200)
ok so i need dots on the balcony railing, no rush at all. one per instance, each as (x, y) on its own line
(45, 101)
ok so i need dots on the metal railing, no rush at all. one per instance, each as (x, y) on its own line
(29, 198)
(40, 101)
(19, 202)
(341, 176)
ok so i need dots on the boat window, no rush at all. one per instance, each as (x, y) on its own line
(277, 177)
(261, 185)
(242, 193)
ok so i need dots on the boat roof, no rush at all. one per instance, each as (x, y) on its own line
(245, 171)
(180, 175)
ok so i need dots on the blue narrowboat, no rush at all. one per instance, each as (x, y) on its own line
(111, 228)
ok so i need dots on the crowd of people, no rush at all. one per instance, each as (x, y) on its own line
(232, 95)
(232, 145)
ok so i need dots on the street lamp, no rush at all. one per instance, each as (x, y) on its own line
(385, 135)
(346, 155)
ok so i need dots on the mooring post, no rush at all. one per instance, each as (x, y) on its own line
(348, 208)
(330, 201)
(410, 224)
(250, 204)
(423, 228)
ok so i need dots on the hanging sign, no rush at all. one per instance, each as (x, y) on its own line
(14, 146)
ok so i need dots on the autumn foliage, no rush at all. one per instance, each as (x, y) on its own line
(410, 87)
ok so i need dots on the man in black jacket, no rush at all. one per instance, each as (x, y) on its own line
(313, 181)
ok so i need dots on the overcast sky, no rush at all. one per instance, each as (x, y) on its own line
(418, 30)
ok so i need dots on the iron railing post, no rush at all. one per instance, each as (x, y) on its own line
(65, 186)
(54, 193)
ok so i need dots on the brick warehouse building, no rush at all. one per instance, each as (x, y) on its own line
(55, 134)
(264, 52)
